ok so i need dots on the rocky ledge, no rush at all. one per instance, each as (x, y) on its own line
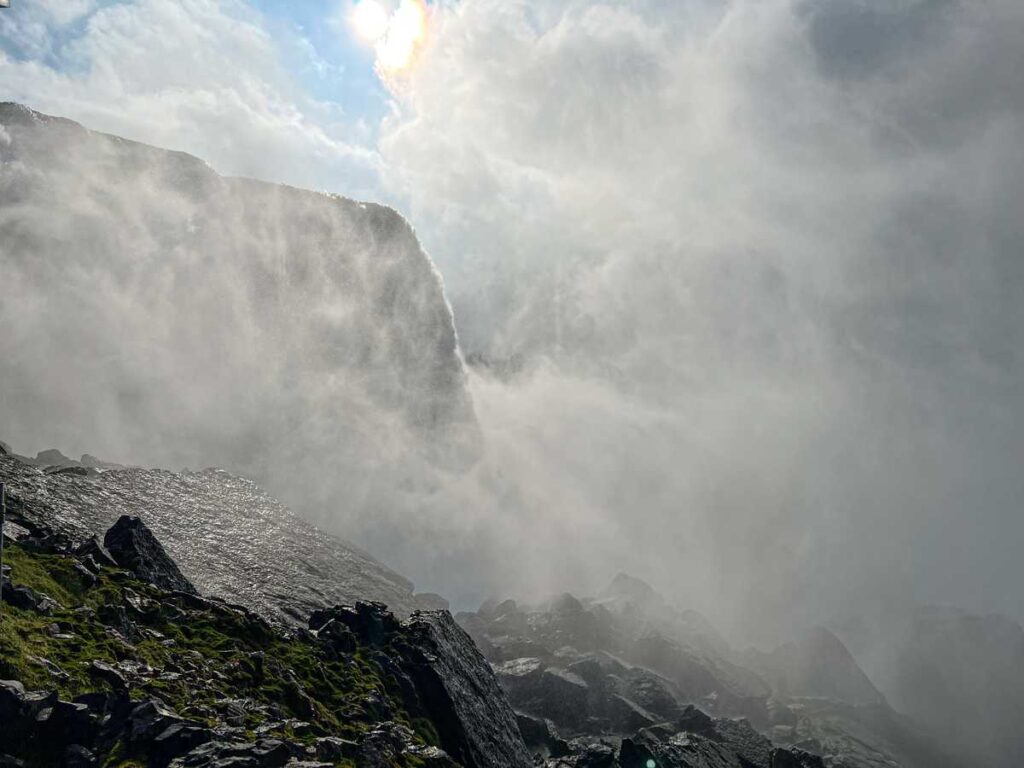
(111, 658)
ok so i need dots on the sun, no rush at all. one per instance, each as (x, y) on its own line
(370, 20)
(397, 36)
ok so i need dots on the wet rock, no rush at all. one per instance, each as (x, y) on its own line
(93, 547)
(627, 716)
(474, 721)
(133, 546)
(264, 753)
(149, 719)
(595, 755)
(333, 749)
(741, 739)
(540, 736)
(370, 622)
(337, 637)
(102, 671)
(175, 740)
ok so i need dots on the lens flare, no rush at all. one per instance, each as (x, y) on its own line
(397, 37)
(370, 20)
(407, 31)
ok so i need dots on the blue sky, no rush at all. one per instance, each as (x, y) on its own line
(346, 76)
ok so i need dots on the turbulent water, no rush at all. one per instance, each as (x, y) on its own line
(229, 537)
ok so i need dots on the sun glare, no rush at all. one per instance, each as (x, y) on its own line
(370, 20)
(396, 36)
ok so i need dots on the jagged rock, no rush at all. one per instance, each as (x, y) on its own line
(744, 741)
(27, 599)
(474, 721)
(333, 749)
(429, 601)
(177, 739)
(71, 723)
(540, 735)
(133, 546)
(265, 753)
(93, 547)
(14, 704)
(819, 665)
(651, 692)
(692, 720)
(337, 636)
(53, 457)
(149, 719)
(103, 671)
(370, 622)
(595, 755)
(627, 716)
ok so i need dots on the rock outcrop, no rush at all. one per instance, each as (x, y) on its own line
(615, 679)
(134, 547)
(127, 667)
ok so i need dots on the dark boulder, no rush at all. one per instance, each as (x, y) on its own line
(27, 599)
(693, 720)
(93, 547)
(372, 623)
(77, 756)
(264, 753)
(540, 736)
(626, 716)
(106, 673)
(460, 693)
(133, 546)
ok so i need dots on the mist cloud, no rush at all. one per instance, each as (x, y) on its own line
(762, 260)
(780, 240)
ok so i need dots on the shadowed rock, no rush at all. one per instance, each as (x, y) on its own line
(135, 547)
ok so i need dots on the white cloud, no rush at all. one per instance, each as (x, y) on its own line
(202, 76)
(804, 261)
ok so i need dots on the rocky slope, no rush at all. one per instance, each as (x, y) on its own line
(582, 672)
(230, 538)
(112, 657)
(102, 666)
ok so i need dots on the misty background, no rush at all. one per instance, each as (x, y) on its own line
(758, 263)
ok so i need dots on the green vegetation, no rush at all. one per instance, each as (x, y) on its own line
(197, 656)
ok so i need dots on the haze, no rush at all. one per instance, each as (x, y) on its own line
(758, 264)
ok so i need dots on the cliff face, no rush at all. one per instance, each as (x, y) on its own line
(184, 318)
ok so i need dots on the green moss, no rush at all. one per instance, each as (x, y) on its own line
(219, 642)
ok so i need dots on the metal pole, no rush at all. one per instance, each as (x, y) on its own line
(3, 525)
